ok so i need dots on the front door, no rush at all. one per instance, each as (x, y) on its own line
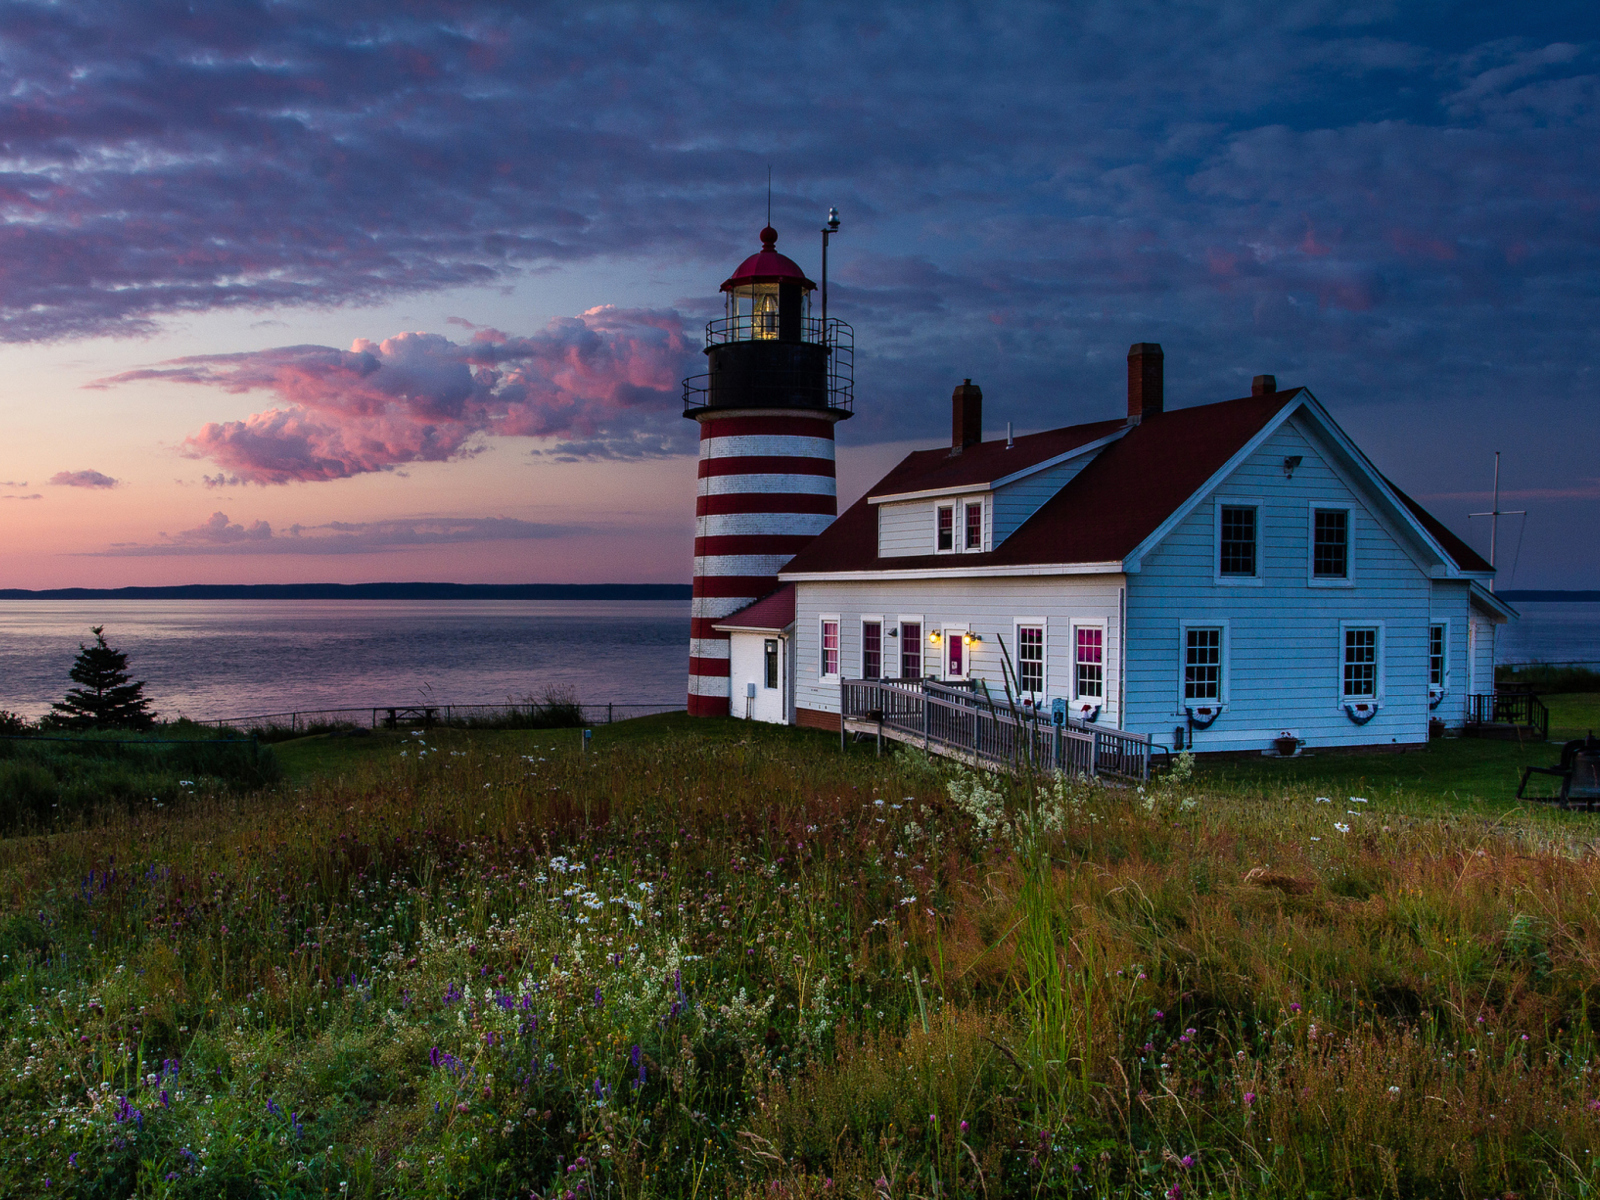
(955, 652)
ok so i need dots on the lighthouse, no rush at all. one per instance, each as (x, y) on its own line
(777, 381)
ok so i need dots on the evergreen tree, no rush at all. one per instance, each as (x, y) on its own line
(106, 700)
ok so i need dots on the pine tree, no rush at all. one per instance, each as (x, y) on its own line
(106, 700)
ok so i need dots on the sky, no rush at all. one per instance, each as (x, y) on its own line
(405, 291)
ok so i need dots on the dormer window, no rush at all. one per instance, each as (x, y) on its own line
(947, 528)
(974, 525)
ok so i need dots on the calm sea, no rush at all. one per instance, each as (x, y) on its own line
(1551, 631)
(210, 658)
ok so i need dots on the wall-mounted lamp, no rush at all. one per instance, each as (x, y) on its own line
(969, 639)
(1290, 462)
(934, 637)
(894, 633)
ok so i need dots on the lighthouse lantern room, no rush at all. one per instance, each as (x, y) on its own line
(777, 381)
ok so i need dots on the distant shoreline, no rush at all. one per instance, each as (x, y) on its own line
(1536, 597)
(367, 591)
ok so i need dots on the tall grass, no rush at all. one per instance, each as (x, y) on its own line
(51, 779)
(705, 967)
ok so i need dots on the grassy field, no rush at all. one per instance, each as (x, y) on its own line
(709, 959)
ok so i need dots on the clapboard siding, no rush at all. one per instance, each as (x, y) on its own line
(989, 607)
(909, 526)
(1016, 502)
(1284, 668)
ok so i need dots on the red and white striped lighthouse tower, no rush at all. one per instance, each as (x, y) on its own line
(777, 382)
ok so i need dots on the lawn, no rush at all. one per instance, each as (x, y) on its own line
(704, 958)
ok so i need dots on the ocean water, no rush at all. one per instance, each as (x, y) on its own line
(1551, 631)
(232, 658)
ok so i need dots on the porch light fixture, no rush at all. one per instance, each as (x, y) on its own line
(969, 639)
(1290, 462)
(934, 637)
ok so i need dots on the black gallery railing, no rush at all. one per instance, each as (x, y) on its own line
(968, 725)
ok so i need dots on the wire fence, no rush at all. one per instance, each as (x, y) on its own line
(395, 716)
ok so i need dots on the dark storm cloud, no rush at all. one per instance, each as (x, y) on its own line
(219, 535)
(1394, 204)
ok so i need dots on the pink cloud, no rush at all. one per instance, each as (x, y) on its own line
(603, 384)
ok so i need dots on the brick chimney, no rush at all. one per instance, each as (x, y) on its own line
(1144, 381)
(966, 416)
(1263, 385)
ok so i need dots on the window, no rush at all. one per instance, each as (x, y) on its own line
(974, 526)
(771, 650)
(1436, 644)
(830, 647)
(1330, 543)
(947, 527)
(1088, 674)
(910, 650)
(1202, 664)
(872, 649)
(1236, 551)
(1030, 659)
(1361, 662)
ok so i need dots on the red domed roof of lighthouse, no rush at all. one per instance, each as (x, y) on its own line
(768, 266)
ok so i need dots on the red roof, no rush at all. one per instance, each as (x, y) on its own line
(768, 266)
(1466, 558)
(1102, 515)
(985, 462)
(773, 613)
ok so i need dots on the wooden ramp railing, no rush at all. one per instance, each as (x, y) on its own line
(966, 725)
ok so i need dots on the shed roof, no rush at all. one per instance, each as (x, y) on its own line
(771, 614)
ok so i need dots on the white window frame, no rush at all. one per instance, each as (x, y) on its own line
(1105, 655)
(1377, 697)
(1444, 669)
(1259, 578)
(946, 632)
(1043, 627)
(861, 650)
(777, 656)
(954, 506)
(1222, 700)
(822, 649)
(983, 525)
(900, 643)
(1325, 581)
(958, 506)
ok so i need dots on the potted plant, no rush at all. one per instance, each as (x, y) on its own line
(1286, 746)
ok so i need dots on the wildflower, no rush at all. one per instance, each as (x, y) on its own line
(1324, 800)
(963, 1127)
(1187, 1161)
(1341, 827)
(1249, 1097)
(1358, 799)
(1394, 1091)
(1295, 1006)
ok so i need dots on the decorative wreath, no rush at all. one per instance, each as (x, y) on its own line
(1202, 715)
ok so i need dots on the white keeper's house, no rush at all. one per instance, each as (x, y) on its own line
(1219, 576)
